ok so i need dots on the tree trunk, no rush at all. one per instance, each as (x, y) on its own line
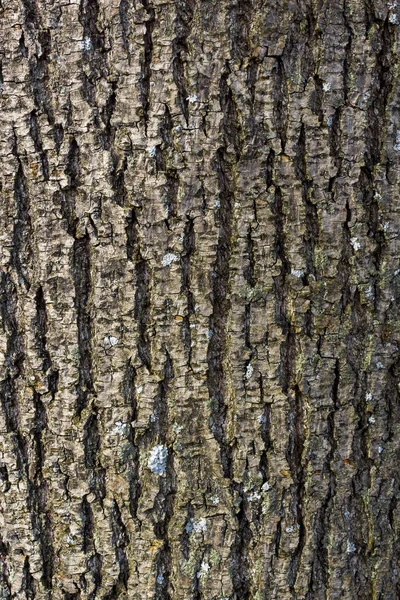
(200, 281)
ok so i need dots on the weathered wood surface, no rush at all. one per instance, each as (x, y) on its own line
(200, 283)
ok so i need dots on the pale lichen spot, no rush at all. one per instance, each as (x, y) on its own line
(192, 99)
(253, 497)
(350, 547)
(168, 259)
(355, 243)
(379, 365)
(119, 427)
(249, 371)
(396, 147)
(157, 462)
(151, 151)
(205, 567)
(85, 44)
(393, 19)
(289, 529)
(326, 86)
(261, 419)
(110, 340)
(368, 396)
(265, 487)
(214, 499)
(297, 272)
(371, 420)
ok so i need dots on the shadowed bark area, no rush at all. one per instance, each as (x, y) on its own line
(199, 291)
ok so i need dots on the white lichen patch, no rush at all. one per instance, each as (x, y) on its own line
(396, 147)
(393, 19)
(350, 547)
(371, 420)
(355, 243)
(110, 340)
(85, 44)
(253, 497)
(205, 567)
(379, 365)
(157, 462)
(261, 419)
(200, 526)
(368, 396)
(209, 334)
(265, 487)
(326, 86)
(214, 499)
(249, 371)
(177, 428)
(297, 272)
(151, 151)
(289, 529)
(168, 259)
(119, 427)
(192, 99)
(160, 578)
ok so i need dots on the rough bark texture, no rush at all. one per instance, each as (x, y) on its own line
(200, 282)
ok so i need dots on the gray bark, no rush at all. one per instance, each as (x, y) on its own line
(200, 281)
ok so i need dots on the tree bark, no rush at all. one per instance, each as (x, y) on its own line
(200, 281)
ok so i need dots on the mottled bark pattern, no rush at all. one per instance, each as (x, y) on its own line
(200, 279)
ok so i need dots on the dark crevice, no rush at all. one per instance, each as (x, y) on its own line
(188, 250)
(21, 252)
(383, 83)
(320, 568)
(280, 95)
(231, 127)
(125, 19)
(183, 22)
(34, 131)
(129, 395)
(40, 329)
(238, 22)
(294, 457)
(145, 62)
(91, 443)
(240, 572)
(66, 198)
(39, 75)
(120, 541)
(131, 225)
(142, 311)
(118, 179)
(311, 211)
(216, 376)
(82, 282)
(28, 581)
